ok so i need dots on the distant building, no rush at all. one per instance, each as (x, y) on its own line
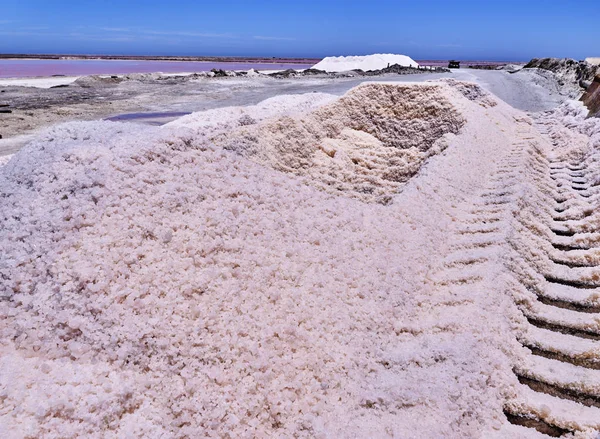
(454, 64)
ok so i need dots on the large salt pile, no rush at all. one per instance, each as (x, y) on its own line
(364, 145)
(376, 61)
(174, 282)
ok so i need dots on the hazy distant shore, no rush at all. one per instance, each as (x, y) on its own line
(232, 59)
(35, 68)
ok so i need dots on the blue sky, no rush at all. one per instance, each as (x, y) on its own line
(435, 29)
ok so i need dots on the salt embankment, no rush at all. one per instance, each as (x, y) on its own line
(574, 76)
(311, 266)
(376, 61)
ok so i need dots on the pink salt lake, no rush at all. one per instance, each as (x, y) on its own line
(22, 68)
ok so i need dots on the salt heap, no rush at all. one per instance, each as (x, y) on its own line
(376, 61)
(192, 281)
(364, 145)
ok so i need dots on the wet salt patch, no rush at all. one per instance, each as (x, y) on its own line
(149, 117)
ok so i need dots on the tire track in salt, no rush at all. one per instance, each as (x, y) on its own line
(472, 261)
(559, 392)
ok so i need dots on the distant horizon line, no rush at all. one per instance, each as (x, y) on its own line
(155, 56)
(59, 56)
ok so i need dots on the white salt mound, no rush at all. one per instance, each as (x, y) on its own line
(212, 279)
(369, 62)
(364, 145)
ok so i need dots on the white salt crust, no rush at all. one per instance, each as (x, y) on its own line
(157, 285)
(41, 82)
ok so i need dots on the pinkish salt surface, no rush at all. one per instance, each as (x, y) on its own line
(17, 68)
(259, 271)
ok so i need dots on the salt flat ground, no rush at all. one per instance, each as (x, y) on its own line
(35, 108)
